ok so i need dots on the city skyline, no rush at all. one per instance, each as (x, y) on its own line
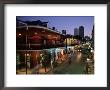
(42, 50)
(67, 23)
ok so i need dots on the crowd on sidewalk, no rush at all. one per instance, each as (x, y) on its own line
(42, 68)
(39, 69)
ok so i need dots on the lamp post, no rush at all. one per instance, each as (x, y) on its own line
(26, 43)
(64, 32)
(26, 46)
(66, 43)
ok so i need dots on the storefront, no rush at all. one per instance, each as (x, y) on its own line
(45, 58)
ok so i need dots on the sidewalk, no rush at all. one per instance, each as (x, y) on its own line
(75, 67)
(41, 70)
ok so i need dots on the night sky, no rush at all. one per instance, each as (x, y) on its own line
(67, 23)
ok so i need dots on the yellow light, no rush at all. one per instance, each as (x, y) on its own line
(27, 54)
(88, 59)
(19, 34)
(35, 32)
(92, 51)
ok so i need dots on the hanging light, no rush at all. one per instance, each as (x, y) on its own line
(35, 33)
(19, 34)
(27, 54)
(92, 50)
(88, 59)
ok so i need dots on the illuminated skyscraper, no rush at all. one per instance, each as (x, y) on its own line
(76, 31)
(81, 31)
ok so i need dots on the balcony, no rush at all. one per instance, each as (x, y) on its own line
(37, 46)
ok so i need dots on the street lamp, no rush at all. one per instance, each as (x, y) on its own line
(64, 32)
(26, 45)
(19, 34)
(88, 59)
(26, 42)
(92, 51)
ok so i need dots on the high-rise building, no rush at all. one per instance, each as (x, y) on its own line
(63, 31)
(81, 31)
(76, 31)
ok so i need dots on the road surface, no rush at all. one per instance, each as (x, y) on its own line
(75, 67)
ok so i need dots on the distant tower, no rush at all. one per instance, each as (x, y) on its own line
(81, 31)
(64, 32)
(76, 31)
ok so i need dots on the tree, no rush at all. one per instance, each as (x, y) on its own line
(78, 37)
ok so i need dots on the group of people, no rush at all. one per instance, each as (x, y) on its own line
(44, 60)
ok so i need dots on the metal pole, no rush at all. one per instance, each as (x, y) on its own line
(26, 47)
(26, 43)
(66, 43)
(26, 51)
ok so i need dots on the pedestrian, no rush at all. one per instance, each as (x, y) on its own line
(69, 58)
(52, 63)
(37, 68)
(86, 68)
(70, 61)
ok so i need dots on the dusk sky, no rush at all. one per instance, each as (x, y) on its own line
(67, 23)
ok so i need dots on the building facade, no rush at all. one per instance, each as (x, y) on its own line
(39, 45)
(76, 31)
(36, 44)
(81, 31)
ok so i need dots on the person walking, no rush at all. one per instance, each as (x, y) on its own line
(69, 58)
(52, 63)
(36, 69)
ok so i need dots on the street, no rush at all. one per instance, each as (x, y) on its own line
(44, 48)
(75, 67)
(76, 62)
